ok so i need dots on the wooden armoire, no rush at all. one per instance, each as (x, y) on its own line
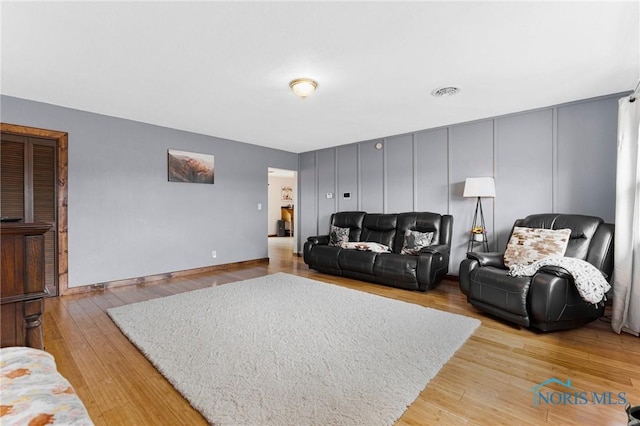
(28, 167)
(22, 277)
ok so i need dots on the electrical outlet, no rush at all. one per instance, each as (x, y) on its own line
(259, 206)
(214, 254)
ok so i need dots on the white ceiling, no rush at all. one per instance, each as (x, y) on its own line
(223, 68)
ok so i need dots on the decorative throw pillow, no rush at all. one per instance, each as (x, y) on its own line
(414, 241)
(338, 235)
(527, 245)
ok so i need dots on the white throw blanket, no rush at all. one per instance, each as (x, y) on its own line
(365, 246)
(591, 284)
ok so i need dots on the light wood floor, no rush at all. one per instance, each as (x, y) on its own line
(487, 382)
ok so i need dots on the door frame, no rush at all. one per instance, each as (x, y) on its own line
(62, 142)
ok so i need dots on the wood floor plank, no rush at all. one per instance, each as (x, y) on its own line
(488, 381)
(65, 362)
(421, 410)
(129, 414)
(145, 393)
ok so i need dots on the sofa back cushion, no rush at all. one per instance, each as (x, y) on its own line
(583, 229)
(380, 228)
(351, 220)
(417, 221)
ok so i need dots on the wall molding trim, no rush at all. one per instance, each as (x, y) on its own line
(157, 277)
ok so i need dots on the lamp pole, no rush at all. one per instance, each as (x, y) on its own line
(485, 242)
(479, 187)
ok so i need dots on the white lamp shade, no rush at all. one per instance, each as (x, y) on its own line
(479, 187)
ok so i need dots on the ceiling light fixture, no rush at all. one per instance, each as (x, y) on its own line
(445, 91)
(303, 87)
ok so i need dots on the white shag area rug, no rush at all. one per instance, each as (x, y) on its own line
(285, 350)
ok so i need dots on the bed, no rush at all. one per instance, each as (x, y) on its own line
(34, 392)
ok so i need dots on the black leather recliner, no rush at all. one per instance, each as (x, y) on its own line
(548, 300)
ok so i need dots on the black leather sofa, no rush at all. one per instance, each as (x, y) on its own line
(548, 300)
(414, 272)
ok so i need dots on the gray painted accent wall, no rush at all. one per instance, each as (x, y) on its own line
(432, 170)
(371, 180)
(400, 176)
(347, 156)
(470, 155)
(307, 196)
(326, 185)
(557, 159)
(524, 185)
(586, 150)
(126, 220)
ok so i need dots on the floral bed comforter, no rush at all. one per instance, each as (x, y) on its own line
(34, 393)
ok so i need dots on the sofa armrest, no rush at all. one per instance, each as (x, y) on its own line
(435, 249)
(432, 266)
(493, 258)
(319, 239)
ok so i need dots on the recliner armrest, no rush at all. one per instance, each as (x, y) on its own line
(560, 272)
(492, 258)
(319, 239)
(555, 270)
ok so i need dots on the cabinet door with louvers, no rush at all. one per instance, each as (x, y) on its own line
(28, 191)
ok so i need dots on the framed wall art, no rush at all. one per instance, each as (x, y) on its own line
(190, 167)
(287, 193)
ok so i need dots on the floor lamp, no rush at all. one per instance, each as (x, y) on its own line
(479, 187)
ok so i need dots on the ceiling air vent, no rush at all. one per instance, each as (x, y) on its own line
(445, 91)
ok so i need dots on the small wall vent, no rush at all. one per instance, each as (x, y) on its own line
(445, 91)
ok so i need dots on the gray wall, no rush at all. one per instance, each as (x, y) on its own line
(558, 159)
(126, 220)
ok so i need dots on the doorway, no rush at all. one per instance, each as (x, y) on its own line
(281, 206)
(34, 189)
